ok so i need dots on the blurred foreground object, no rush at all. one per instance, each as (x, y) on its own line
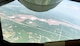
(40, 5)
(2, 2)
(64, 43)
(76, 0)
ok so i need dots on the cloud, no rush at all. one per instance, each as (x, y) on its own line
(49, 21)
